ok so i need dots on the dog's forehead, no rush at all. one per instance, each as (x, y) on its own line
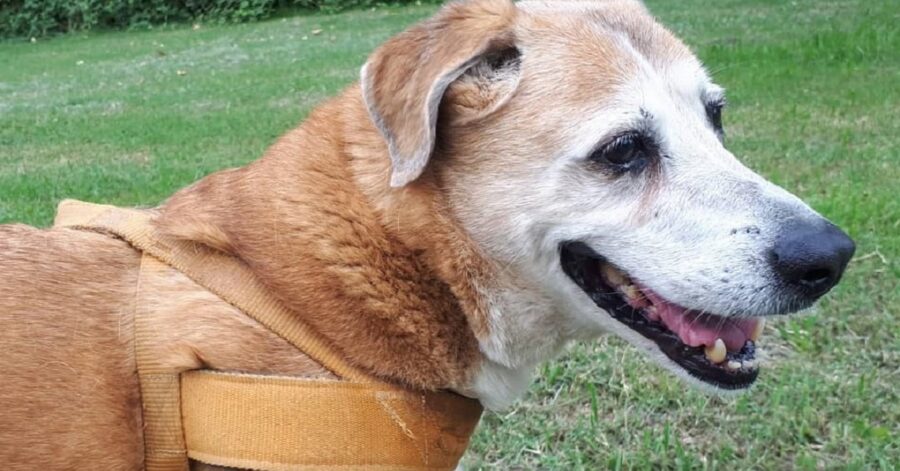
(575, 19)
(598, 45)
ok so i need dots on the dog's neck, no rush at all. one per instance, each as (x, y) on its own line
(386, 275)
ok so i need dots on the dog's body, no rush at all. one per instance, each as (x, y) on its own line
(70, 394)
(443, 275)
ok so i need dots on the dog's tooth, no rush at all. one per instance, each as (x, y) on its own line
(716, 353)
(733, 365)
(749, 364)
(613, 276)
(758, 330)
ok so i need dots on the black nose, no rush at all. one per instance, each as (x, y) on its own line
(812, 256)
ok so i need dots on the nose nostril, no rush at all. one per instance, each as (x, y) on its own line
(816, 278)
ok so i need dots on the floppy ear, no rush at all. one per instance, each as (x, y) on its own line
(405, 79)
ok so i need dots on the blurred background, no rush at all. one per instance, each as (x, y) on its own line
(124, 102)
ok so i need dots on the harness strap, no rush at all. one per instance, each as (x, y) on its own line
(266, 422)
(223, 275)
(279, 424)
(164, 448)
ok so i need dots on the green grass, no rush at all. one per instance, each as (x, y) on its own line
(814, 91)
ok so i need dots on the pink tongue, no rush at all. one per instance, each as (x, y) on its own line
(695, 330)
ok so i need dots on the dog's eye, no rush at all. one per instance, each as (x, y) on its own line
(714, 112)
(629, 152)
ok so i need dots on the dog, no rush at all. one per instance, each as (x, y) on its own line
(505, 178)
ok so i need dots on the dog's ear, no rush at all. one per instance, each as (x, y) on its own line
(405, 80)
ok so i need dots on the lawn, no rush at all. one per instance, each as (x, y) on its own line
(814, 93)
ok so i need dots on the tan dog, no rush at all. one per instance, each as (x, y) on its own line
(504, 179)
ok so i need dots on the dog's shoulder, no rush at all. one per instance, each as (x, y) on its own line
(28, 249)
(67, 358)
(61, 256)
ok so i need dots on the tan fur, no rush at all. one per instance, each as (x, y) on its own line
(405, 79)
(70, 395)
(321, 249)
(387, 275)
(68, 363)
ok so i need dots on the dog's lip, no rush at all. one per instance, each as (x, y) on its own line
(735, 367)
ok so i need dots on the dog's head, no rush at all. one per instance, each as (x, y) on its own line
(580, 145)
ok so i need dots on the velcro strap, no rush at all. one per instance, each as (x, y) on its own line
(280, 423)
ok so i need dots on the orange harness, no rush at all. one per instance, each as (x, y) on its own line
(271, 422)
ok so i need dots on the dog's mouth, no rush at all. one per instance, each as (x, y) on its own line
(714, 349)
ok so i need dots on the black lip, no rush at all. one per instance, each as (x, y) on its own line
(577, 259)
